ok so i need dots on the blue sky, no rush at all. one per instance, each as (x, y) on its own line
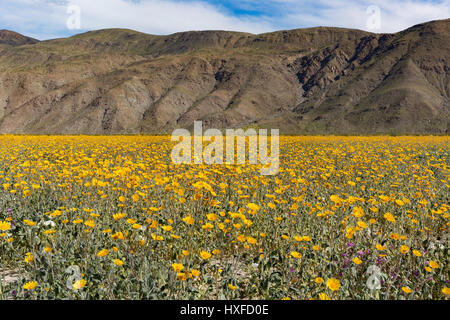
(47, 19)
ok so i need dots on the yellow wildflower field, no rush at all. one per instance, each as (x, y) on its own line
(96, 217)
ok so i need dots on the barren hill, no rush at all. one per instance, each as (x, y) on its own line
(305, 81)
(14, 39)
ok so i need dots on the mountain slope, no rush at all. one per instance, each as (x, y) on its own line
(306, 81)
(12, 38)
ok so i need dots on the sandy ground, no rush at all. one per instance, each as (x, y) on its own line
(8, 277)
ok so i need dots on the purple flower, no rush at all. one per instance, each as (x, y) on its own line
(350, 244)
(380, 260)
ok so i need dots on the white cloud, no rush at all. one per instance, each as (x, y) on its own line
(45, 19)
(162, 16)
(396, 15)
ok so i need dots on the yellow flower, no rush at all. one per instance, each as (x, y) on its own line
(207, 226)
(434, 264)
(232, 287)
(335, 199)
(323, 296)
(380, 247)
(157, 238)
(119, 216)
(182, 276)
(103, 253)
(189, 220)
(118, 235)
(251, 240)
(29, 257)
(4, 226)
(389, 217)
(195, 272)
(29, 223)
(406, 290)
(417, 253)
(362, 224)
(333, 284)
(118, 262)
(358, 212)
(357, 260)
(205, 255)
(177, 267)
(446, 291)
(79, 284)
(404, 249)
(296, 255)
(253, 206)
(395, 236)
(90, 223)
(318, 280)
(30, 285)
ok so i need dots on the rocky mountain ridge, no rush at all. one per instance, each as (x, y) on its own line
(304, 81)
